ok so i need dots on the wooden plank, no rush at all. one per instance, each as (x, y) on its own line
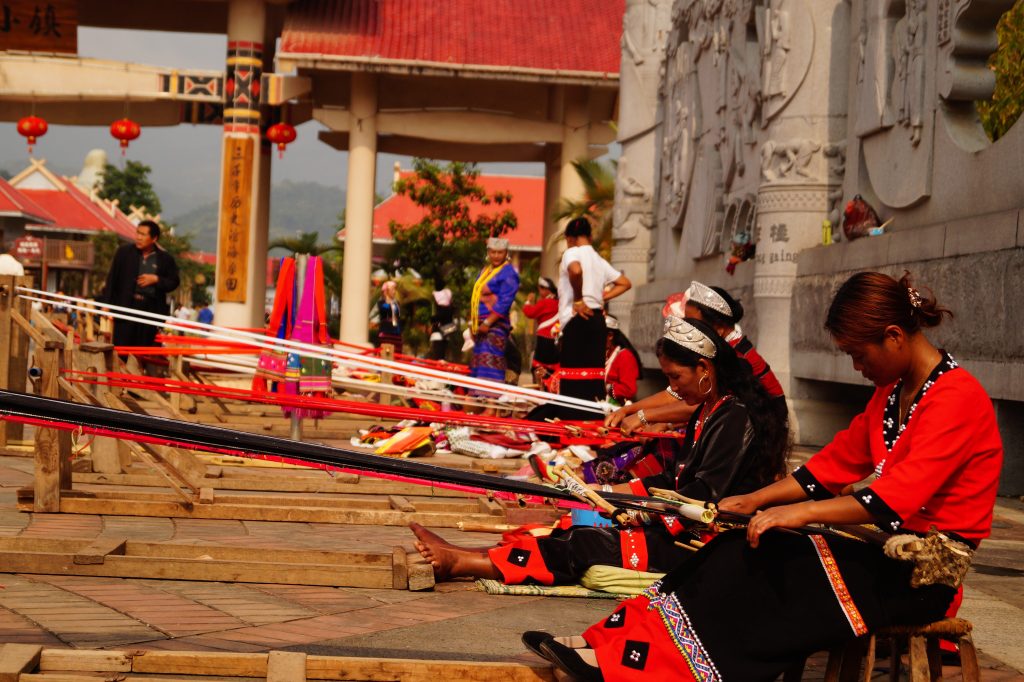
(489, 506)
(28, 329)
(177, 550)
(406, 670)
(70, 660)
(399, 569)
(16, 659)
(206, 496)
(286, 666)
(70, 677)
(201, 663)
(7, 332)
(202, 570)
(401, 504)
(99, 550)
(53, 447)
(421, 574)
(240, 512)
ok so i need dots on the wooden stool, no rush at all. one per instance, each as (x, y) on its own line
(844, 663)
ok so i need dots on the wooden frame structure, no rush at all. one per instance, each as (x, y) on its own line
(33, 663)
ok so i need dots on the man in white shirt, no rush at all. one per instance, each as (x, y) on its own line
(586, 281)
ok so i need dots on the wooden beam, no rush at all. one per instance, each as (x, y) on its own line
(69, 660)
(16, 659)
(98, 551)
(286, 666)
(53, 446)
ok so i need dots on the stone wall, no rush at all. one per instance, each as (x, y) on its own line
(771, 115)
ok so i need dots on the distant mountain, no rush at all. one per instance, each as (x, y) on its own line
(295, 207)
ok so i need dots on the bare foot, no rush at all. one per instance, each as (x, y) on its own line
(428, 536)
(450, 561)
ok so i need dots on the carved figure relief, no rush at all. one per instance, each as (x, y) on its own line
(633, 204)
(790, 160)
(908, 47)
(775, 50)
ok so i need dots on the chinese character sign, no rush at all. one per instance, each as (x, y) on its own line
(233, 233)
(39, 26)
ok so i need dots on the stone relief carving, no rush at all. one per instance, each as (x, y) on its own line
(775, 50)
(836, 155)
(790, 160)
(908, 53)
(963, 27)
(633, 204)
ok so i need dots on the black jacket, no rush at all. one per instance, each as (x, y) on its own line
(124, 270)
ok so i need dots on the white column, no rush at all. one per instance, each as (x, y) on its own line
(245, 177)
(576, 121)
(551, 248)
(362, 166)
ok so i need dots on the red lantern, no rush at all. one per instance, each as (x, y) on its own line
(281, 134)
(32, 127)
(125, 130)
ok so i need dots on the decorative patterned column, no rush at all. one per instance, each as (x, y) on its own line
(241, 249)
(801, 158)
(362, 170)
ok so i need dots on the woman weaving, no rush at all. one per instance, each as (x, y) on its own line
(752, 603)
(732, 446)
(716, 307)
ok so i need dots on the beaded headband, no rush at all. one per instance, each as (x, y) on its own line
(497, 244)
(708, 297)
(686, 335)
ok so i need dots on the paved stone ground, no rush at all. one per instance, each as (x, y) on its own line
(453, 622)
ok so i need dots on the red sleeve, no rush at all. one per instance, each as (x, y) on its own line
(847, 459)
(541, 308)
(623, 375)
(944, 437)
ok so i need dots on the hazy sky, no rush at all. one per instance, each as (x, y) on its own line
(186, 158)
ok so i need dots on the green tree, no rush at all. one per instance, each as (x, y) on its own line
(1002, 111)
(448, 245)
(596, 204)
(131, 187)
(449, 242)
(195, 275)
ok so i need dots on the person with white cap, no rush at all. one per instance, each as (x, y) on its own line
(586, 282)
(390, 314)
(493, 295)
(543, 307)
(718, 308)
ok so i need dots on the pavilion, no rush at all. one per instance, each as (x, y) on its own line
(499, 80)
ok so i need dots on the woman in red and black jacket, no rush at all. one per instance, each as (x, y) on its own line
(755, 601)
(716, 307)
(543, 307)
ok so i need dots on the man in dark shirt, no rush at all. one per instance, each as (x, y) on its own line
(140, 277)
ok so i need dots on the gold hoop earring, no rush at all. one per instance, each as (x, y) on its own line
(700, 384)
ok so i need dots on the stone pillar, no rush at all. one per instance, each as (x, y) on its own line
(242, 240)
(800, 152)
(575, 142)
(644, 38)
(550, 247)
(362, 166)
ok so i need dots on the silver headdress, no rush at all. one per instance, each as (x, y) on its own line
(708, 297)
(497, 244)
(611, 323)
(686, 335)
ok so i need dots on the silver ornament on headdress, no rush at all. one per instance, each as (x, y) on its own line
(611, 323)
(708, 297)
(686, 335)
(915, 297)
(497, 244)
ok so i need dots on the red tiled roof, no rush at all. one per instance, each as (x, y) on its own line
(72, 209)
(566, 36)
(15, 203)
(527, 204)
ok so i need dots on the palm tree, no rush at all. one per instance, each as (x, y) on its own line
(596, 204)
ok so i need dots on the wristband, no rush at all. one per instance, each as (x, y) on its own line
(643, 419)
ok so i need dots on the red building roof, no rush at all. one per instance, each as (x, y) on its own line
(74, 211)
(566, 37)
(527, 204)
(15, 204)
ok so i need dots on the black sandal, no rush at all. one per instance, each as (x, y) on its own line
(570, 662)
(532, 639)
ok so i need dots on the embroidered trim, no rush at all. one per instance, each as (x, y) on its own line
(633, 545)
(812, 486)
(680, 629)
(883, 514)
(891, 428)
(835, 579)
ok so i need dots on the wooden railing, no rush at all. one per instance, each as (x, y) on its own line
(67, 253)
